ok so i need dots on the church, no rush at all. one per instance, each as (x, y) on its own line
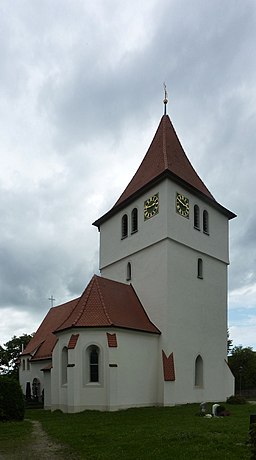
(152, 329)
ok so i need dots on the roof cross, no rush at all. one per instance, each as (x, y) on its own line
(165, 101)
(51, 300)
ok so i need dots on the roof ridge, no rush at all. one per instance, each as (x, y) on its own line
(84, 300)
(78, 298)
(102, 300)
(164, 143)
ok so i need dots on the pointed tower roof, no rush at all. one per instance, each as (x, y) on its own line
(164, 158)
(164, 154)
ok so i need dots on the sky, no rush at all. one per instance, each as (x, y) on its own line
(81, 91)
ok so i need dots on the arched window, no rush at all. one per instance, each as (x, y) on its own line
(199, 371)
(200, 268)
(196, 217)
(206, 222)
(93, 354)
(64, 366)
(36, 389)
(124, 229)
(134, 217)
(129, 271)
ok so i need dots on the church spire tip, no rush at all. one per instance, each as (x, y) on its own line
(165, 101)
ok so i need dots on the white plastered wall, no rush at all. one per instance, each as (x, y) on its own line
(190, 312)
(128, 373)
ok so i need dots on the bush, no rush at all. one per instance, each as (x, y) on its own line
(236, 400)
(11, 400)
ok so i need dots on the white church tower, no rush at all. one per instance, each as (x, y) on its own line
(169, 238)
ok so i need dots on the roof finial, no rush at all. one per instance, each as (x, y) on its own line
(165, 101)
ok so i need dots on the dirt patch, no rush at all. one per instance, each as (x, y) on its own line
(41, 448)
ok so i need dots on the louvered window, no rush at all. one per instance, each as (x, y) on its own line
(206, 222)
(134, 217)
(124, 229)
(196, 217)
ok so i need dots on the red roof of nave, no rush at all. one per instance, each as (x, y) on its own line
(43, 342)
(104, 303)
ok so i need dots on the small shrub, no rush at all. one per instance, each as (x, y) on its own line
(11, 400)
(236, 400)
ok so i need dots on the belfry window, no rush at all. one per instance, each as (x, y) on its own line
(206, 222)
(196, 217)
(200, 268)
(134, 218)
(124, 229)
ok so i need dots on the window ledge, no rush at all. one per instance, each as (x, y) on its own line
(197, 228)
(94, 385)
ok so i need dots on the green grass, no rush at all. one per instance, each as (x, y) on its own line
(13, 434)
(150, 433)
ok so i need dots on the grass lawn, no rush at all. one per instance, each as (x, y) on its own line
(146, 433)
(152, 433)
(13, 434)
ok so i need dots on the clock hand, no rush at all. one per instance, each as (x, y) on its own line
(185, 205)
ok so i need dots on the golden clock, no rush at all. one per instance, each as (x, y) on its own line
(182, 205)
(151, 206)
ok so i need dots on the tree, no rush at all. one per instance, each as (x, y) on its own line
(229, 343)
(242, 362)
(9, 354)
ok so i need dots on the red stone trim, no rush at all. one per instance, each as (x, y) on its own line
(112, 340)
(73, 341)
(168, 367)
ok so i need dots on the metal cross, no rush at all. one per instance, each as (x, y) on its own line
(51, 300)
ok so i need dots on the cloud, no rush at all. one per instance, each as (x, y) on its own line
(80, 99)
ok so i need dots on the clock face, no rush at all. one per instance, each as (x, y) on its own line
(151, 206)
(182, 205)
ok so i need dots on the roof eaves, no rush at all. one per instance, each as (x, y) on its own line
(166, 173)
(41, 358)
(112, 325)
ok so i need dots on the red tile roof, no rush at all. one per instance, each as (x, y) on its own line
(43, 342)
(164, 158)
(103, 303)
(164, 154)
(109, 303)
